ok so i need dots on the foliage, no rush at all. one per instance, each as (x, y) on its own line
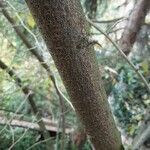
(128, 96)
(27, 141)
(131, 98)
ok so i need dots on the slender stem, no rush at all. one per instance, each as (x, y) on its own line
(123, 55)
(33, 50)
(108, 21)
(30, 97)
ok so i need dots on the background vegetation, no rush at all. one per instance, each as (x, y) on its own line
(127, 94)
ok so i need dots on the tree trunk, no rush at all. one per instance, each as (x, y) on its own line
(64, 29)
(134, 24)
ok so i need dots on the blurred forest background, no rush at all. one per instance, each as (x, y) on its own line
(29, 81)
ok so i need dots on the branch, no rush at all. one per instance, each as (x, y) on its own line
(35, 53)
(123, 55)
(19, 139)
(40, 142)
(10, 111)
(133, 25)
(30, 97)
(107, 21)
(51, 126)
(142, 137)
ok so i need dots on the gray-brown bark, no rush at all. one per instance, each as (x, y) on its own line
(64, 29)
(136, 19)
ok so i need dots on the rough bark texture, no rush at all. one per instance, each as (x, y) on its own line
(64, 29)
(134, 24)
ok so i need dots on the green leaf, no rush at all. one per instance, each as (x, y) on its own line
(30, 21)
(145, 66)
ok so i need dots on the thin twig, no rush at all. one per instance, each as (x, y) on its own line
(21, 136)
(62, 122)
(58, 131)
(13, 134)
(40, 142)
(18, 140)
(33, 50)
(18, 109)
(107, 21)
(30, 98)
(22, 23)
(123, 55)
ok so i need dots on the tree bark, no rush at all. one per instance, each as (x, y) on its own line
(136, 19)
(65, 31)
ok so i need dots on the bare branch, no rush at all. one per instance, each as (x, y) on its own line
(50, 125)
(123, 55)
(107, 21)
(35, 53)
(30, 97)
